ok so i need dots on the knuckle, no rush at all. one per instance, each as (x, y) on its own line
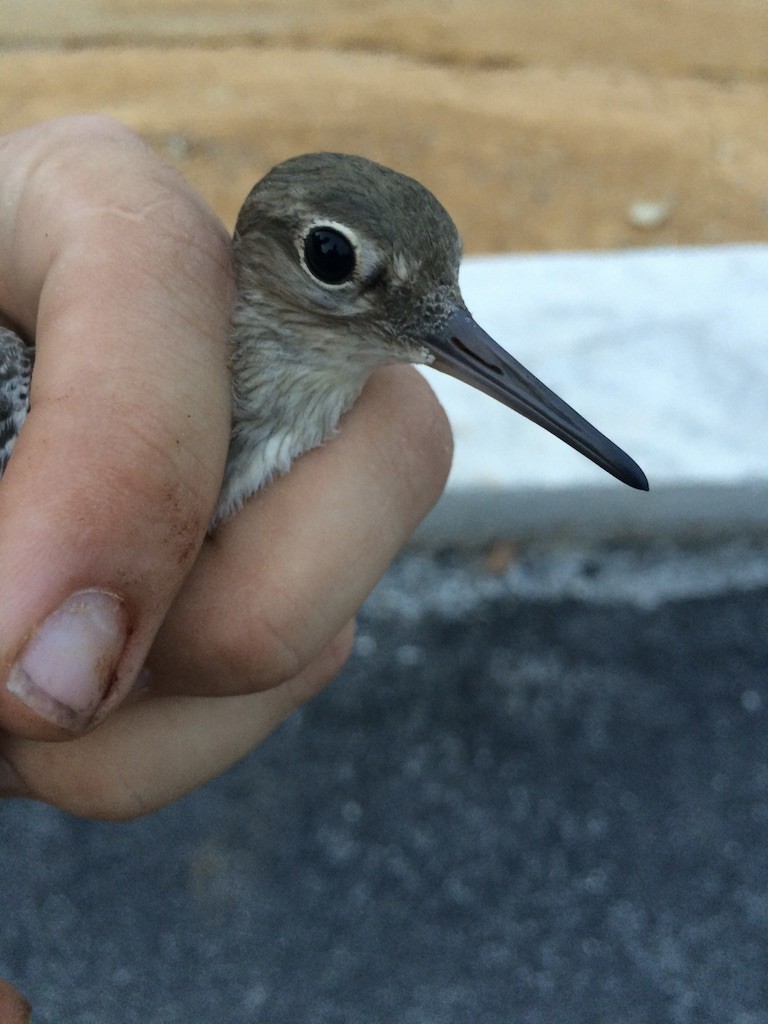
(269, 647)
(105, 795)
(97, 128)
(75, 154)
(112, 804)
(260, 650)
(327, 666)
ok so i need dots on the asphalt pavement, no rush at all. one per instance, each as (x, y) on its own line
(538, 794)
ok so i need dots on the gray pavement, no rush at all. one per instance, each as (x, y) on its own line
(539, 795)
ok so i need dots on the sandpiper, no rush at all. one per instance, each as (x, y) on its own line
(342, 265)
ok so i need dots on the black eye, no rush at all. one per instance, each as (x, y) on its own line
(329, 255)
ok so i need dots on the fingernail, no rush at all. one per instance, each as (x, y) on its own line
(10, 782)
(68, 664)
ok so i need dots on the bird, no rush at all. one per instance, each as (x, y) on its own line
(16, 361)
(342, 265)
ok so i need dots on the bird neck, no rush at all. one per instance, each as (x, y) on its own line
(290, 386)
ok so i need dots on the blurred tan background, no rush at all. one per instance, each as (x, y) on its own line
(554, 125)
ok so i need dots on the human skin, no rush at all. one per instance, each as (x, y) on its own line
(122, 275)
(14, 1009)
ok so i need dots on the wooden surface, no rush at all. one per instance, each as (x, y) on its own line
(540, 126)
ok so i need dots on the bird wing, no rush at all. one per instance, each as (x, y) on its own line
(16, 362)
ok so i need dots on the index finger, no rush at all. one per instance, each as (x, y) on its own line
(122, 275)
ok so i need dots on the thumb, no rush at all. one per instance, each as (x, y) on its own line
(123, 277)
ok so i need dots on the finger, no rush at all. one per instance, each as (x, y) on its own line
(282, 577)
(153, 751)
(14, 1008)
(123, 276)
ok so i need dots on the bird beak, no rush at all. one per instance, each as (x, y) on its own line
(465, 351)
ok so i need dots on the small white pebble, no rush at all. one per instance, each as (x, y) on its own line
(351, 812)
(649, 215)
(751, 701)
(365, 645)
(409, 655)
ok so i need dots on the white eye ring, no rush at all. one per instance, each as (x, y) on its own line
(330, 253)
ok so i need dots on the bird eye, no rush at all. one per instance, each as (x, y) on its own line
(329, 255)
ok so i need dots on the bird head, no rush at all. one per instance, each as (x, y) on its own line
(359, 263)
(354, 249)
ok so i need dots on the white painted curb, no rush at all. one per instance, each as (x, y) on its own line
(665, 351)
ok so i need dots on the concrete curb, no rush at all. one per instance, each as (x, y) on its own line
(664, 350)
(475, 517)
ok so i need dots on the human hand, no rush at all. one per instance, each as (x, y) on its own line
(123, 276)
(14, 1009)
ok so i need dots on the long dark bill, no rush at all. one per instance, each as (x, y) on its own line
(465, 351)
